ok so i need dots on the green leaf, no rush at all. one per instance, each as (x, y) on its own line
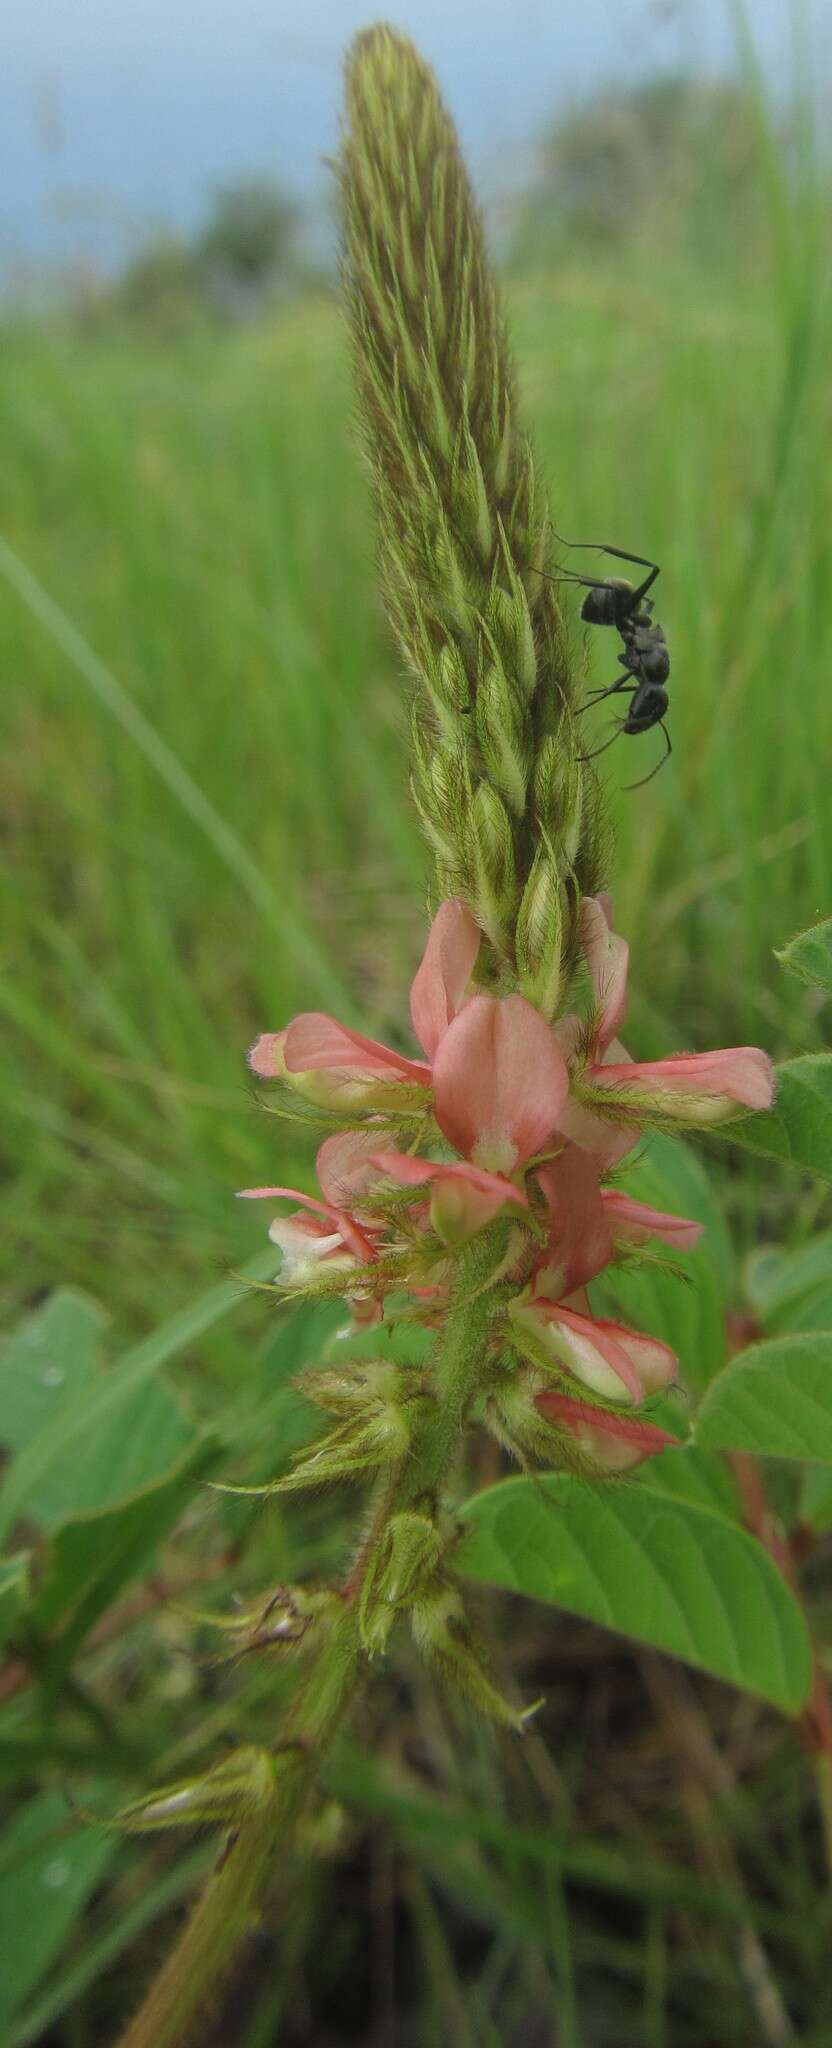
(799, 1127)
(816, 1499)
(40, 1480)
(404, 1343)
(47, 1871)
(792, 1290)
(686, 1307)
(809, 955)
(47, 1362)
(775, 1399)
(93, 1556)
(666, 1572)
(14, 1586)
(81, 1969)
(691, 1474)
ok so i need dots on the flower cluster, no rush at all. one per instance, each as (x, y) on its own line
(507, 1115)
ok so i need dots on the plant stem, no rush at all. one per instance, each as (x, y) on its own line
(228, 1908)
(230, 1903)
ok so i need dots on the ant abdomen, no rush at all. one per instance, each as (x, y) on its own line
(608, 603)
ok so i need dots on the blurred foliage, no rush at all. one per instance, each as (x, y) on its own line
(243, 256)
(673, 159)
(247, 248)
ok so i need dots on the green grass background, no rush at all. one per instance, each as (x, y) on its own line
(206, 828)
(198, 511)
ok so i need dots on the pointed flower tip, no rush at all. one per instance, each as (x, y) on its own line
(442, 978)
(265, 1056)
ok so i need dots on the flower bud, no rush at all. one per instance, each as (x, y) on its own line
(235, 1788)
(503, 738)
(406, 1561)
(540, 935)
(494, 866)
(611, 1443)
(442, 1632)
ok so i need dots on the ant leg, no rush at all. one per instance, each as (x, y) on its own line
(640, 594)
(619, 727)
(605, 547)
(659, 764)
(571, 576)
(622, 682)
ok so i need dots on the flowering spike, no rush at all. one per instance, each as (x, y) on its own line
(464, 530)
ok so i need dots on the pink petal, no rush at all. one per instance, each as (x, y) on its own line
(283, 1194)
(345, 1165)
(314, 1040)
(499, 1082)
(304, 1243)
(580, 1240)
(351, 1232)
(607, 957)
(265, 1057)
(401, 1167)
(633, 1222)
(654, 1362)
(414, 1173)
(618, 1442)
(594, 1351)
(741, 1074)
(441, 980)
(607, 1143)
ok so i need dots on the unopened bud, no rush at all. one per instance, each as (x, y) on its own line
(493, 865)
(235, 1788)
(539, 936)
(442, 1632)
(559, 799)
(503, 738)
(405, 1562)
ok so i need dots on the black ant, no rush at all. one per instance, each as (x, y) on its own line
(645, 657)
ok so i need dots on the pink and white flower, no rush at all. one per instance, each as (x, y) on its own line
(610, 1360)
(615, 1443)
(499, 1082)
(688, 1088)
(339, 1068)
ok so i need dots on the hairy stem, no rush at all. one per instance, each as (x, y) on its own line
(230, 1904)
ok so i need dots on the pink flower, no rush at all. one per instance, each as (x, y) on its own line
(633, 1223)
(333, 1229)
(607, 957)
(696, 1087)
(688, 1088)
(464, 1197)
(616, 1443)
(580, 1238)
(499, 1081)
(340, 1068)
(611, 1360)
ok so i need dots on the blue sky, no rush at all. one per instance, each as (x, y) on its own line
(115, 116)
